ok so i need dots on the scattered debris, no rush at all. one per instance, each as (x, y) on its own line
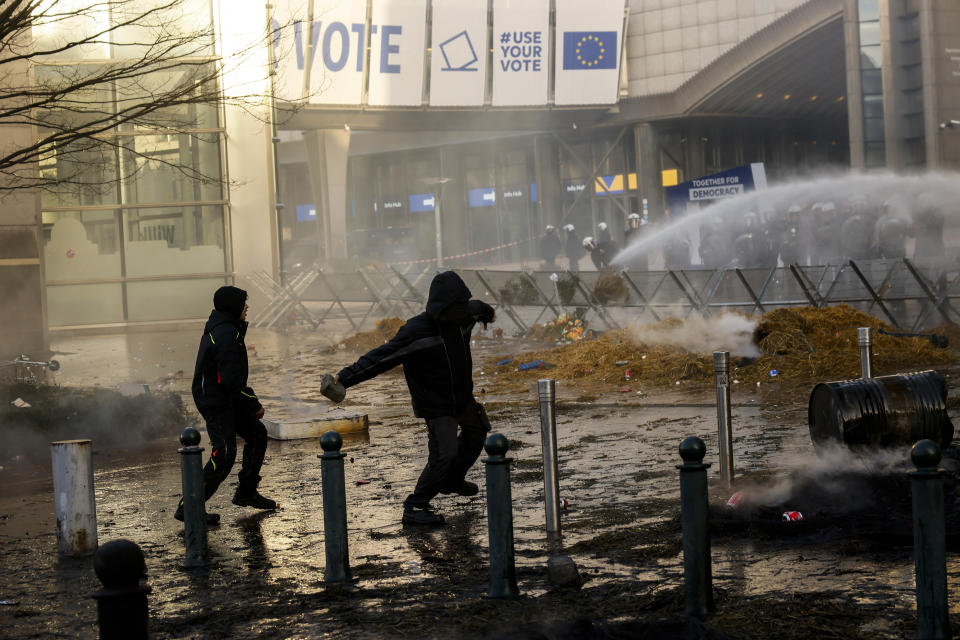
(20, 403)
(130, 389)
(800, 344)
(536, 364)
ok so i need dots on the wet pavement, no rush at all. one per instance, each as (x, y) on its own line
(617, 470)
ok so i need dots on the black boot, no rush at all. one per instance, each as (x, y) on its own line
(252, 498)
(212, 518)
(421, 516)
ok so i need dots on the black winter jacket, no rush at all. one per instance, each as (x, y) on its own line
(220, 376)
(435, 355)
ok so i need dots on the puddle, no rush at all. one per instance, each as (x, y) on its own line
(617, 459)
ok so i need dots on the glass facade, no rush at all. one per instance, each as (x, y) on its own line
(911, 85)
(871, 62)
(134, 227)
(494, 205)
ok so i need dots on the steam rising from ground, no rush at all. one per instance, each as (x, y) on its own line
(823, 469)
(727, 332)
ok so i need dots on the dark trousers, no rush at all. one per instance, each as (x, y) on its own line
(223, 427)
(450, 455)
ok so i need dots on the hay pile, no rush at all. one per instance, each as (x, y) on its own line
(801, 344)
(366, 340)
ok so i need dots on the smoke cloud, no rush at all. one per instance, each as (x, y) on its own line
(727, 332)
(823, 469)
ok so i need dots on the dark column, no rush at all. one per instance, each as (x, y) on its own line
(647, 149)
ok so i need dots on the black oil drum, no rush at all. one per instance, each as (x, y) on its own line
(882, 411)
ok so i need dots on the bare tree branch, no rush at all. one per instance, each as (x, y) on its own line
(158, 69)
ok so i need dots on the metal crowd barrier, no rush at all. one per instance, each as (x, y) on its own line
(908, 294)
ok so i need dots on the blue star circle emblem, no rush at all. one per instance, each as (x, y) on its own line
(590, 50)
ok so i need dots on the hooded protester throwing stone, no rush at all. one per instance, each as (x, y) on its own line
(228, 405)
(434, 349)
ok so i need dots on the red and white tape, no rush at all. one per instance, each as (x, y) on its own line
(462, 255)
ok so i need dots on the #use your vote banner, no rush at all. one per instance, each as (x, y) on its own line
(521, 41)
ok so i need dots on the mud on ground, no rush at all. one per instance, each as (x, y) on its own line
(831, 577)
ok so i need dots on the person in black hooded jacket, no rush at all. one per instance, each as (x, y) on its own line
(434, 349)
(229, 407)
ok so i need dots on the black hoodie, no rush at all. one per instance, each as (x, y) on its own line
(434, 349)
(220, 375)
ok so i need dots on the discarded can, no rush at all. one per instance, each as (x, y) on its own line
(627, 374)
(792, 516)
(564, 503)
(735, 500)
(621, 363)
(774, 373)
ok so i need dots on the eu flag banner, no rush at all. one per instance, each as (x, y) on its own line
(590, 50)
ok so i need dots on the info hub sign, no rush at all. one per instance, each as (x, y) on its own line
(725, 184)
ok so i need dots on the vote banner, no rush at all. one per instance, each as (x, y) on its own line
(521, 39)
(335, 61)
(289, 63)
(458, 65)
(589, 37)
(397, 41)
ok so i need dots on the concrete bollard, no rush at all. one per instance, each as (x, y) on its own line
(721, 367)
(865, 338)
(503, 572)
(122, 603)
(551, 480)
(194, 505)
(694, 513)
(334, 509)
(929, 542)
(73, 497)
